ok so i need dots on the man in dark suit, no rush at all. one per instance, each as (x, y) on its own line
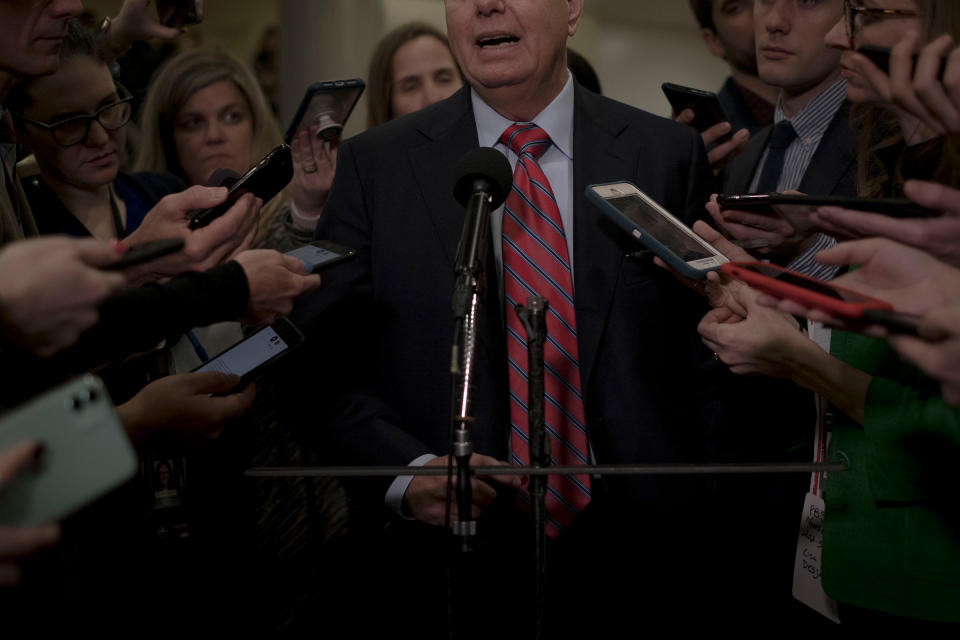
(809, 148)
(385, 317)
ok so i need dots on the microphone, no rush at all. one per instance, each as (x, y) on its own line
(484, 180)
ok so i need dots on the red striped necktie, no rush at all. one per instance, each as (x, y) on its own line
(536, 262)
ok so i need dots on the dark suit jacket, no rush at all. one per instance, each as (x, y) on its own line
(382, 323)
(832, 169)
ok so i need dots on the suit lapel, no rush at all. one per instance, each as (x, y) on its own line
(600, 154)
(448, 137)
(833, 157)
(741, 171)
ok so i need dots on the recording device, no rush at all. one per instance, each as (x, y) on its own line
(264, 180)
(326, 105)
(146, 252)
(705, 105)
(179, 13)
(796, 208)
(322, 254)
(249, 357)
(484, 180)
(880, 56)
(821, 295)
(654, 227)
(86, 453)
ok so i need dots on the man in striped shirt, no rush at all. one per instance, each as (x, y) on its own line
(809, 147)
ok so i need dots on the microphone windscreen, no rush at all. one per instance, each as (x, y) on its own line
(488, 165)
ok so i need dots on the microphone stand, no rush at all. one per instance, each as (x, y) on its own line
(533, 319)
(470, 288)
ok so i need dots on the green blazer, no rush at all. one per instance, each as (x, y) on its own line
(892, 526)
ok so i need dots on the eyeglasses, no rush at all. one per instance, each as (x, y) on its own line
(855, 16)
(75, 130)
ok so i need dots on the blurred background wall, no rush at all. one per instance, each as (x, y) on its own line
(634, 45)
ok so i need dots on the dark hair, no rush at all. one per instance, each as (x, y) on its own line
(703, 10)
(380, 76)
(583, 72)
(79, 41)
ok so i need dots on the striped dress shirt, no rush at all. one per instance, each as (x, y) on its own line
(811, 123)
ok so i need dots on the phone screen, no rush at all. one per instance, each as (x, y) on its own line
(328, 111)
(249, 354)
(655, 224)
(313, 254)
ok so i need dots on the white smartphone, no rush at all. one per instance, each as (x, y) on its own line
(86, 453)
(653, 226)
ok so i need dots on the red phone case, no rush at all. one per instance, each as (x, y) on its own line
(806, 297)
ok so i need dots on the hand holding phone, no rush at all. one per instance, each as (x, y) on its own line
(275, 281)
(186, 406)
(203, 248)
(17, 543)
(264, 180)
(51, 287)
(913, 83)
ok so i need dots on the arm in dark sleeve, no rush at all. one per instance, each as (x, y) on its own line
(137, 319)
(337, 383)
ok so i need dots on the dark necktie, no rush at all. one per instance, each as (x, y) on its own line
(536, 262)
(780, 139)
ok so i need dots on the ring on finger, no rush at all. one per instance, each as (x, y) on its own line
(310, 168)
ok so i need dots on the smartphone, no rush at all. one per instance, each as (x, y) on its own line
(249, 357)
(880, 56)
(327, 105)
(705, 104)
(674, 242)
(796, 208)
(265, 179)
(821, 295)
(322, 254)
(179, 13)
(86, 453)
(146, 252)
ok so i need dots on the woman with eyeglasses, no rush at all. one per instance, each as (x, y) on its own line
(73, 121)
(891, 543)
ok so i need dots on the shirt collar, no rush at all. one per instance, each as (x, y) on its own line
(556, 119)
(812, 121)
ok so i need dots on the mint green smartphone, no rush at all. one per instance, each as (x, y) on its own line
(87, 453)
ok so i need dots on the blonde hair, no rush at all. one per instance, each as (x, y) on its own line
(176, 82)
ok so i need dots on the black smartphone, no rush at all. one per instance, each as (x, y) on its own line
(893, 207)
(880, 56)
(146, 252)
(249, 357)
(327, 105)
(322, 254)
(264, 180)
(705, 104)
(179, 13)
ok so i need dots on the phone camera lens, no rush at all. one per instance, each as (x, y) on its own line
(77, 403)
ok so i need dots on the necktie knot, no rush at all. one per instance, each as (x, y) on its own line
(783, 135)
(526, 138)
